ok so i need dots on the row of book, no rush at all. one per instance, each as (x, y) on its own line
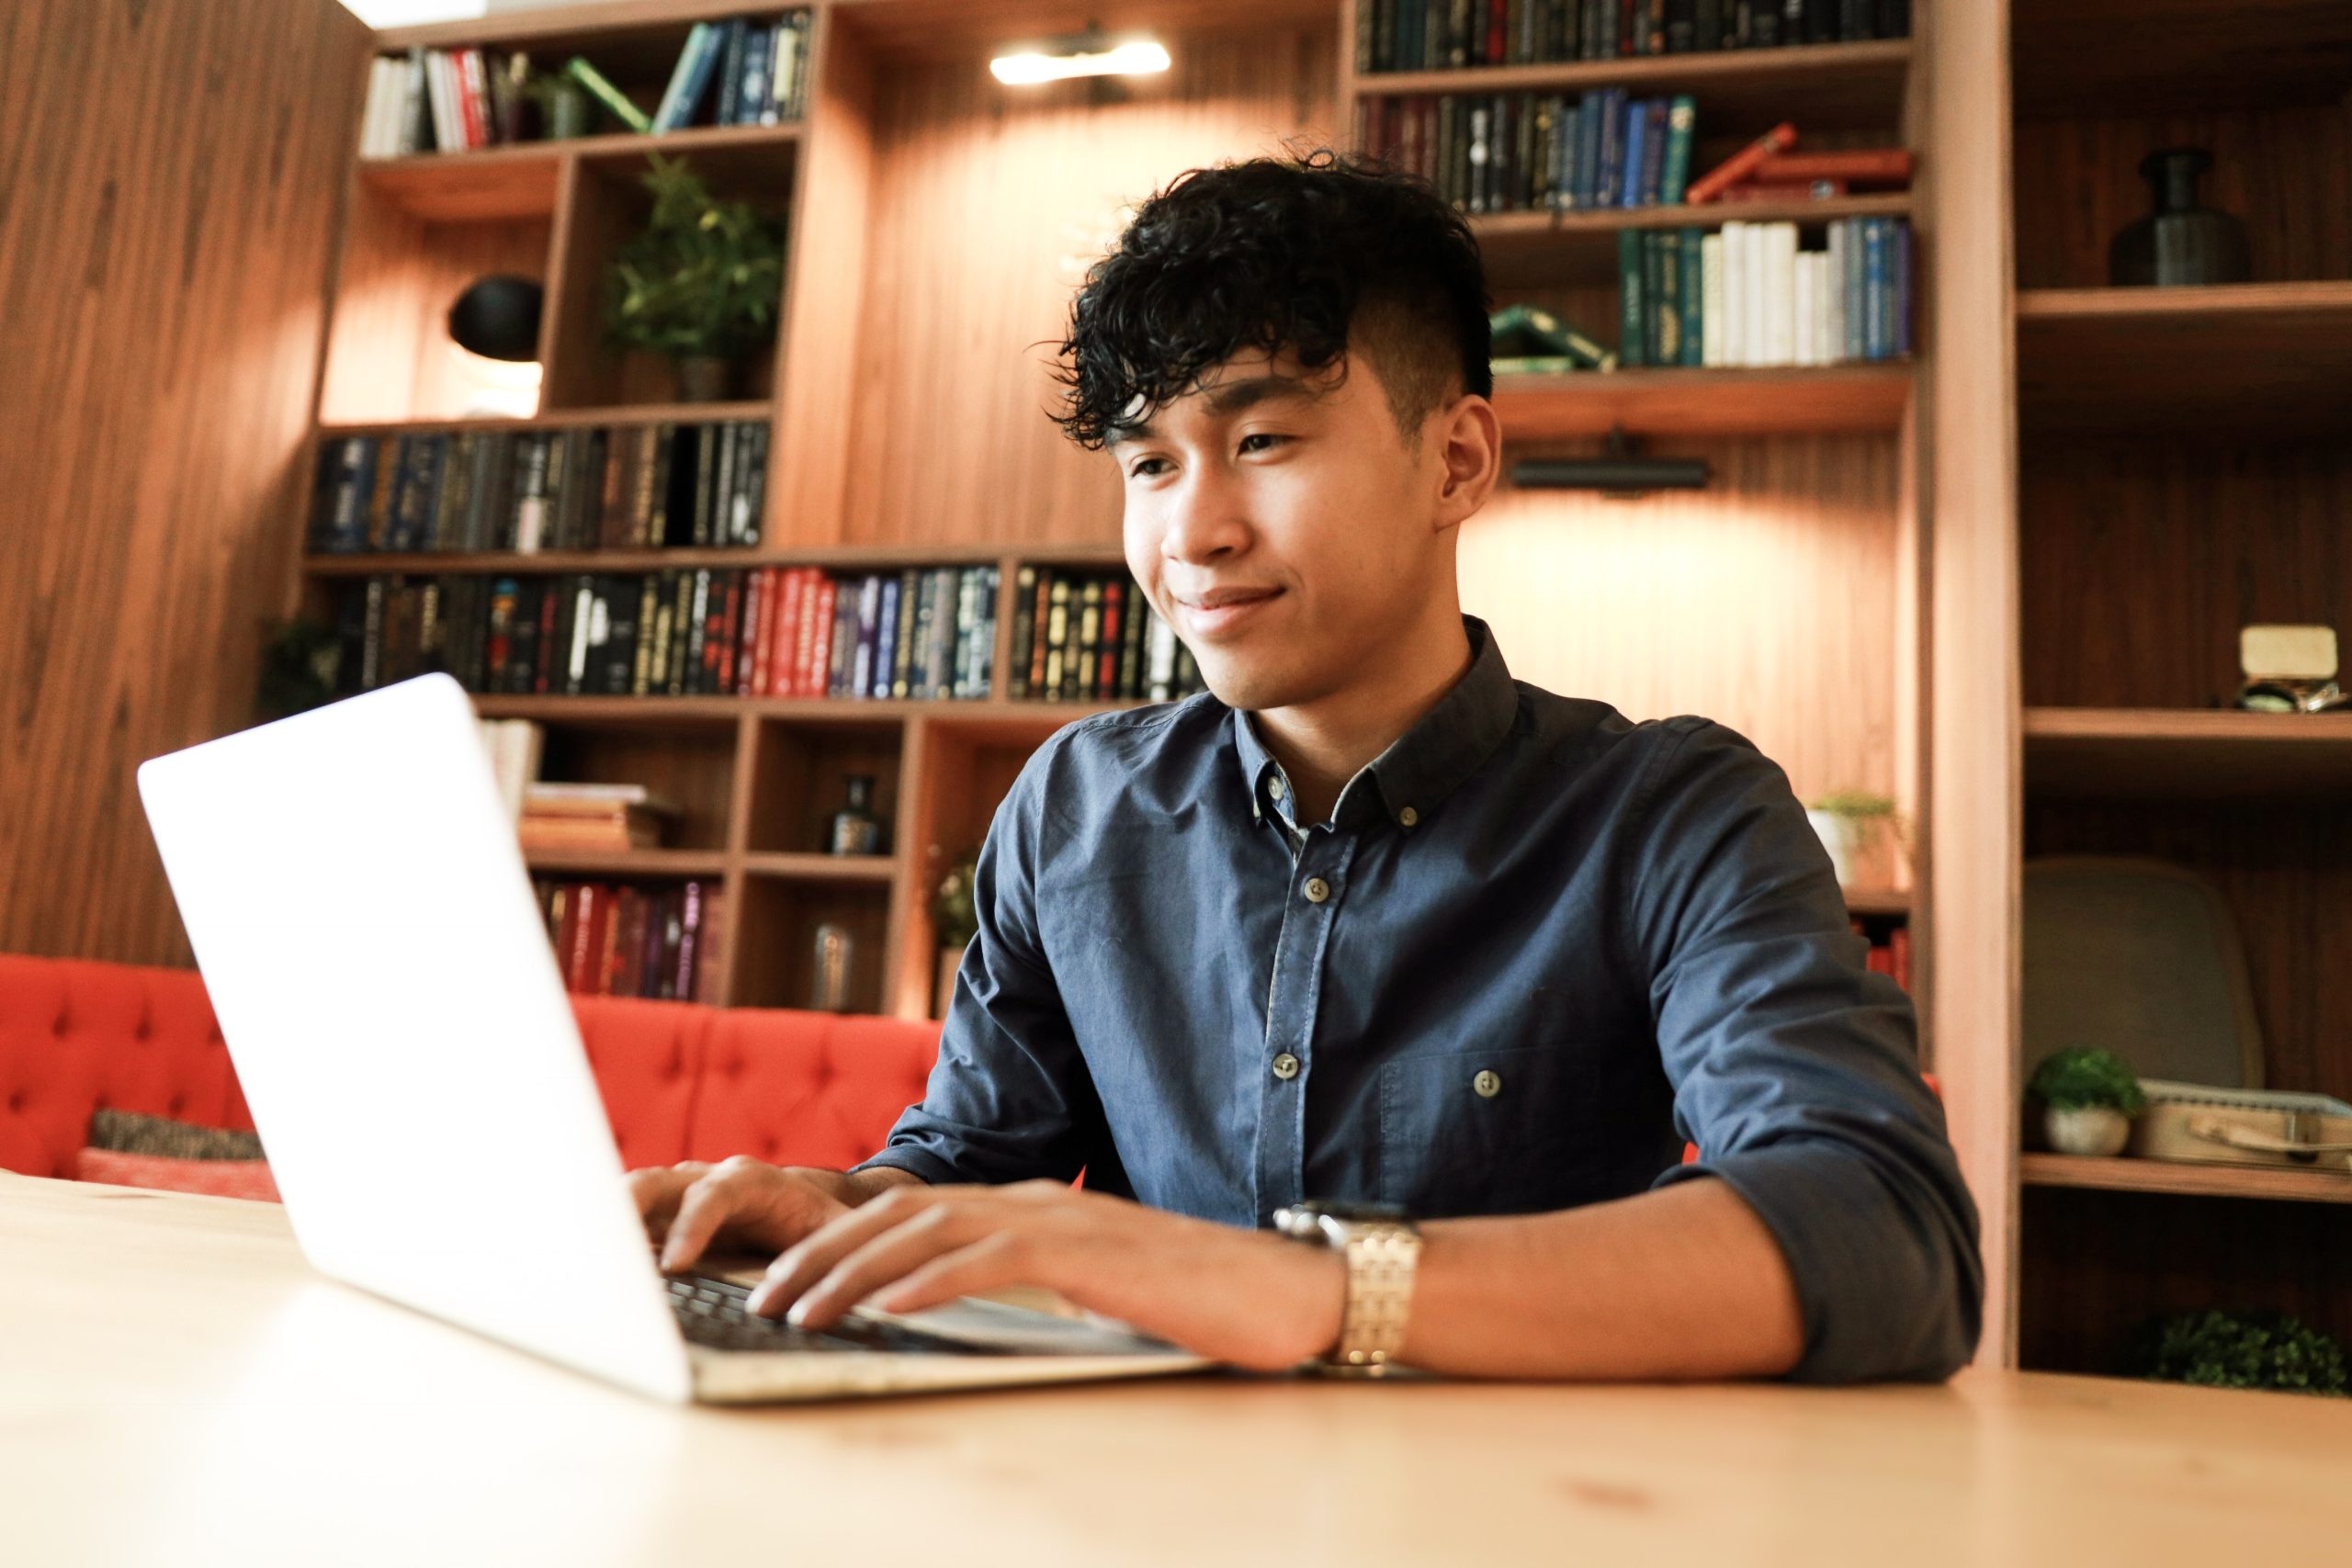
(748, 71)
(598, 817)
(654, 940)
(635, 488)
(1090, 636)
(1518, 152)
(710, 631)
(1749, 294)
(1891, 957)
(1431, 35)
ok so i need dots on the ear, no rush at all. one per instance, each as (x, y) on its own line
(1470, 450)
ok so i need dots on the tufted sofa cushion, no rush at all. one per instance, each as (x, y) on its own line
(679, 1081)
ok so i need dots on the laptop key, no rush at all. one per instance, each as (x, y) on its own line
(715, 1314)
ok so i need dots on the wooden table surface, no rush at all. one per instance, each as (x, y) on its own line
(177, 1387)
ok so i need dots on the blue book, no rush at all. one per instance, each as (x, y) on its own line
(697, 63)
(732, 38)
(1611, 149)
(759, 57)
(1587, 148)
(1900, 264)
(1654, 134)
(885, 638)
(1852, 284)
(1626, 190)
(1874, 311)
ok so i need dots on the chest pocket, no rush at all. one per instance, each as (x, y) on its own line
(1514, 1131)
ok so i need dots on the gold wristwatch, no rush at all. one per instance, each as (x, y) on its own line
(1382, 1247)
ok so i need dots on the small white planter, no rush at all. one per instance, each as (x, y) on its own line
(1842, 837)
(2097, 1130)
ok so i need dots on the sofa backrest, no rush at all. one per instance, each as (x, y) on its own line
(679, 1081)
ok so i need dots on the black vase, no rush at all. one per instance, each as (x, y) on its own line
(2179, 241)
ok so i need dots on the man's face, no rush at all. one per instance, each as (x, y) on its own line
(1282, 526)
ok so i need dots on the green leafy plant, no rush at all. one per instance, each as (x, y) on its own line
(2264, 1349)
(950, 906)
(2084, 1076)
(1856, 803)
(704, 278)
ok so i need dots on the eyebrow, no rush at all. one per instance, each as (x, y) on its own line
(1227, 398)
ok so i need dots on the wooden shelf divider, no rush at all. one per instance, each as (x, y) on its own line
(1838, 84)
(2187, 753)
(627, 862)
(2183, 1178)
(1691, 401)
(812, 867)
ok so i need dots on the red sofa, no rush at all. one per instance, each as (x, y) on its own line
(679, 1081)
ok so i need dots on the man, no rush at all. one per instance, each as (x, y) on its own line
(1370, 922)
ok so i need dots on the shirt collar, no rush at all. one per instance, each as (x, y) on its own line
(1426, 763)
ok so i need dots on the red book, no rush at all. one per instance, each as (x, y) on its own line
(784, 633)
(1107, 680)
(588, 909)
(747, 648)
(629, 945)
(563, 916)
(1899, 942)
(608, 953)
(816, 636)
(1737, 167)
(1881, 962)
(1875, 165)
(1497, 11)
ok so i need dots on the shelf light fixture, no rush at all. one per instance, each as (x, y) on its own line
(1082, 54)
(1620, 472)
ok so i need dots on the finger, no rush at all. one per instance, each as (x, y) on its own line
(703, 1207)
(813, 1255)
(989, 1264)
(891, 1257)
(656, 1188)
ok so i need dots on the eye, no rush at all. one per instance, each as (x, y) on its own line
(1143, 469)
(1262, 435)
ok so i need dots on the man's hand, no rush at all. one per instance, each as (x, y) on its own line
(740, 1204)
(1251, 1298)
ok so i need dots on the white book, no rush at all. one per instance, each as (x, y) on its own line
(1711, 299)
(1735, 292)
(371, 119)
(1780, 286)
(1754, 333)
(1803, 343)
(1832, 290)
(439, 84)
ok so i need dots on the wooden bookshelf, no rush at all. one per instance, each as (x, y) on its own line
(2181, 460)
(2181, 1177)
(627, 864)
(2259, 358)
(1579, 248)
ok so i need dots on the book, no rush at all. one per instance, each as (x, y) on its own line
(690, 78)
(1707, 186)
(604, 93)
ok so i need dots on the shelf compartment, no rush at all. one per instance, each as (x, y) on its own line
(849, 558)
(692, 767)
(1542, 250)
(1696, 401)
(774, 938)
(2070, 58)
(2188, 753)
(2271, 357)
(799, 770)
(2183, 1179)
(520, 179)
(1830, 85)
(625, 414)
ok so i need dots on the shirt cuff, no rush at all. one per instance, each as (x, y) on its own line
(914, 1161)
(1877, 1280)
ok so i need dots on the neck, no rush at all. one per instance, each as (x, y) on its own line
(1324, 743)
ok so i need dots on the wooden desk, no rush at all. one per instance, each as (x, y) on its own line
(176, 1387)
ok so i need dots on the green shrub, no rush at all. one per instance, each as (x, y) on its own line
(2264, 1349)
(705, 278)
(2084, 1076)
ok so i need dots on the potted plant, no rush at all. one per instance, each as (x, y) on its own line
(701, 283)
(2088, 1097)
(953, 917)
(1845, 819)
(2262, 1349)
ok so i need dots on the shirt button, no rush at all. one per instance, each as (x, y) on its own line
(1488, 1084)
(1409, 817)
(1274, 786)
(1285, 1066)
(1317, 890)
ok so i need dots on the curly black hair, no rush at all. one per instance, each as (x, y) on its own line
(1300, 252)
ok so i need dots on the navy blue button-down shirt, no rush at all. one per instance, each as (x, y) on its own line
(1536, 948)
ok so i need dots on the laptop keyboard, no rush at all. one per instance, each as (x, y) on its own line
(714, 1313)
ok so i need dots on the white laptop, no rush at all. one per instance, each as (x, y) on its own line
(351, 883)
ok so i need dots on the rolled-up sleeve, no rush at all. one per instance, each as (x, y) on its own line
(1794, 1066)
(1009, 1098)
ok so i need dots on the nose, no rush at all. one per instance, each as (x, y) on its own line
(1206, 520)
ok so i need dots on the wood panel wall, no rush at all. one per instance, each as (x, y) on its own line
(163, 250)
(987, 206)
